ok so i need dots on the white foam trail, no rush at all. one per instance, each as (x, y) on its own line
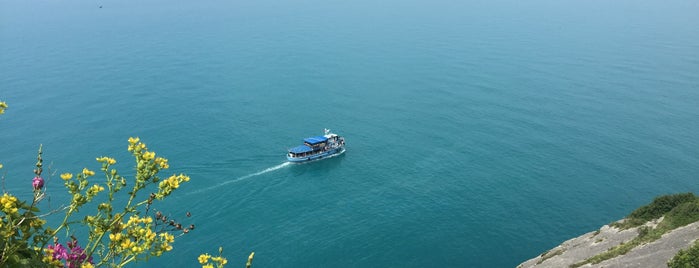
(282, 165)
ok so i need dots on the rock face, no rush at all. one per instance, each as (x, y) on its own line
(654, 254)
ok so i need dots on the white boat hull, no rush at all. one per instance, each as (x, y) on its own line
(322, 155)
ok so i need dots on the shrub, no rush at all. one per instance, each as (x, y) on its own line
(687, 258)
(681, 215)
(656, 209)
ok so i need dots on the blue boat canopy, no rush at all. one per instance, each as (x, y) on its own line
(300, 149)
(315, 140)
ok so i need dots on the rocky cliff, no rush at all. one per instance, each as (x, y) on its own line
(653, 254)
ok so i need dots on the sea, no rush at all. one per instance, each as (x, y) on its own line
(478, 133)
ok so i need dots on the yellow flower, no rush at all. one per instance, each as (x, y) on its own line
(115, 237)
(149, 155)
(3, 106)
(133, 140)
(107, 160)
(9, 203)
(167, 237)
(136, 249)
(135, 143)
(95, 188)
(87, 265)
(92, 191)
(127, 243)
(150, 235)
(0, 165)
(88, 172)
(174, 183)
(66, 176)
(220, 260)
(162, 162)
(204, 258)
(132, 220)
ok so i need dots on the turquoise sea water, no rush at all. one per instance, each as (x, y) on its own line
(479, 133)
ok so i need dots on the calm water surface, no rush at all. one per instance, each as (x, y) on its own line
(479, 133)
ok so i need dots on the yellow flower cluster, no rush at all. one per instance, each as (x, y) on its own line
(208, 261)
(107, 160)
(219, 259)
(139, 229)
(66, 176)
(3, 106)
(138, 237)
(135, 143)
(165, 240)
(92, 191)
(162, 163)
(204, 258)
(173, 182)
(133, 140)
(170, 184)
(88, 172)
(148, 156)
(9, 203)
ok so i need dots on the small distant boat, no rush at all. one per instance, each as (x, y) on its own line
(317, 147)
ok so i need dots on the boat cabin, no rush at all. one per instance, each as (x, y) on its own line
(317, 142)
(310, 146)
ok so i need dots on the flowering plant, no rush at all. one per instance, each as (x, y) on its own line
(120, 229)
(115, 236)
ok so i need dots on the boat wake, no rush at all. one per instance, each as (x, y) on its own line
(267, 170)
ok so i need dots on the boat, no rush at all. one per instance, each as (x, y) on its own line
(318, 147)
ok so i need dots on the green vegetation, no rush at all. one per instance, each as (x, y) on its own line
(679, 210)
(548, 254)
(688, 258)
(656, 209)
(115, 228)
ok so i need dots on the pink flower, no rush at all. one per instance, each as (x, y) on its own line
(38, 183)
(74, 256)
(59, 252)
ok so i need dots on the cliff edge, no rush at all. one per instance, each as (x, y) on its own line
(650, 236)
(653, 254)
